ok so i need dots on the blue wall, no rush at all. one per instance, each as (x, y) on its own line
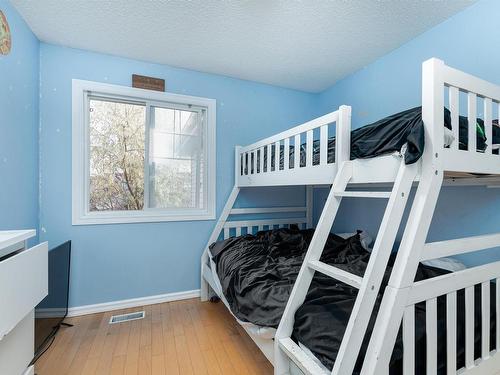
(19, 126)
(114, 262)
(467, 41)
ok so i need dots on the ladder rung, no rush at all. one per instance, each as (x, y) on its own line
(336, 273)
(363, 194)
(304, 362)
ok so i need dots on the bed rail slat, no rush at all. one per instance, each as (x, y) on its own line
(409, 341)
(277, 151)
(497, 312)
(431, 332)
(286, 155)
(469, 327)
(451, 333)
(266, 210)
(487, 125)
(471, 106)
(468, 82)
(309, 148)
(454, 110)
(261, 160)
(226, 233)
(323, 144)
(485, 320)
(439, 249)
(269, 154)
(271, 222)
(440, 285)
(296, 151)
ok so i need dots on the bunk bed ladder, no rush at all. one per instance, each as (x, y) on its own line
(368, 285)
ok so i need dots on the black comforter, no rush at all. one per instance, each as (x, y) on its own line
(257, 273)
(387, 136)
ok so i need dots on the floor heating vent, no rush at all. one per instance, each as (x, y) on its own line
(127, 317)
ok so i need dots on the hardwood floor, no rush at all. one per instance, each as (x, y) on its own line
(184, 337)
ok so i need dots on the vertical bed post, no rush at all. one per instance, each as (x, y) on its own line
(309, 205)
(204, 288)
(396, 293)
(343, 136)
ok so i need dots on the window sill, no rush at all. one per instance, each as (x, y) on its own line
(140, 217)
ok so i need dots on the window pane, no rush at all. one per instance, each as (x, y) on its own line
(117, 135)
(176, 159)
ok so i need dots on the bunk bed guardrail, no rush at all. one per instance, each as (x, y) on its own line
(268, 162)
(481, 99)
(449, 285)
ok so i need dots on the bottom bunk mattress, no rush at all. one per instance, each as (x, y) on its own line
(257, 273)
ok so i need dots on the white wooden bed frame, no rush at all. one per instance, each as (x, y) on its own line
(401, 293)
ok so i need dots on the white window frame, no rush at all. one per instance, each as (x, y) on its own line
(81, 215)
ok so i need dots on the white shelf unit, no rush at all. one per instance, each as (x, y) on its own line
(437, 166)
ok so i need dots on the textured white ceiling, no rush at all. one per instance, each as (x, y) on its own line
(301, 44)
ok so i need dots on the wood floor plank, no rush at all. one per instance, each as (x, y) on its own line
(58, 349)
(145, 360)
(122, 339)
(157, 338)
(171, 361)
(90, 366)
(98, 344)
(134, 340)
(106, 356)
(73, 346)
(211, 363)
(118, 365)
(132, 363)
(80, 358)
(181, 349)
(221, 355)
(175, 338)
(158, 364)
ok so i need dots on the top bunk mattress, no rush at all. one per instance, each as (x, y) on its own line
(402, 132)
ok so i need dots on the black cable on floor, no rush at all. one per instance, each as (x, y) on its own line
(44, 350)
(52, 338)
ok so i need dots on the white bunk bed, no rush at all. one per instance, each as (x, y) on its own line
(253, 168)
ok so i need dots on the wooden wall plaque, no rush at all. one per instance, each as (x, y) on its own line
(148, 83)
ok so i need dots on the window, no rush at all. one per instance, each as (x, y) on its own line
(141, 156)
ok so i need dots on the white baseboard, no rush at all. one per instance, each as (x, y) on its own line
(134, 302)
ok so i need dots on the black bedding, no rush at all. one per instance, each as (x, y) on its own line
(387, 136)
(257, 273)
